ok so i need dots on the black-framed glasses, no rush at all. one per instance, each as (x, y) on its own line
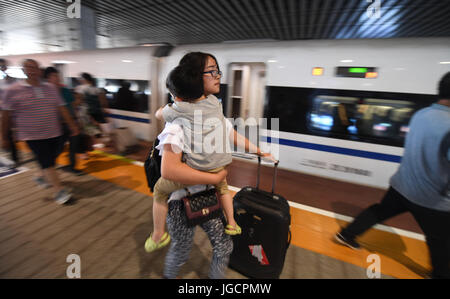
(214, 73)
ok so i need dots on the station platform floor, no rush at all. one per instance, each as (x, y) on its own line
(109, 219)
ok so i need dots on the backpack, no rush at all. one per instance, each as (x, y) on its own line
(152, 166)
(93, 103)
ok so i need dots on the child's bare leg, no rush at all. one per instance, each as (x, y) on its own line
(227, 204)
(161, 192)
(160, 211)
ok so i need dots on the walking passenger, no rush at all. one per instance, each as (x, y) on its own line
(421, 185)
(194, 83)
(4, 84)
(52, 76)
(203, 69)
(34, 108)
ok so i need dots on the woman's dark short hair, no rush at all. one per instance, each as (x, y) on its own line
(444, 87)
(185, 83)
(197, 62)
(50, 70)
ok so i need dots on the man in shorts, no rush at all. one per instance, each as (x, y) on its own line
(34, 108)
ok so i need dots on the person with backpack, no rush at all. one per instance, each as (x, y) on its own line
(188, 100)
(186, 84)
(93, 110)
(197, 78)
(93, 97)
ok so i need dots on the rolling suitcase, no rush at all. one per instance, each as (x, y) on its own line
(259, 252)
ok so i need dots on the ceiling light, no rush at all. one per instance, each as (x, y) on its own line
(347, 60)
(153, 44)
(444, 62)
(127, 61)
(63, 62)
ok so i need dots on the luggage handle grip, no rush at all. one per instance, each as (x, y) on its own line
(255, 156)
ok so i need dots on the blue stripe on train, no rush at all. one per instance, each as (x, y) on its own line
(300, 144)
(335, 150)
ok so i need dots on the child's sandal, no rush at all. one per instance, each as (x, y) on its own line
(151, 245)
(233, 231)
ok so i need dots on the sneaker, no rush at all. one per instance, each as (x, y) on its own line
(63, 197)
(72, 170)
(41, 182)
(347, 242)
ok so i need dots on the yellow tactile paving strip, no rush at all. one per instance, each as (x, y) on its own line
(400, 256)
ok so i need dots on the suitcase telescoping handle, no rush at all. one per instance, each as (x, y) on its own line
(253, 157)
(274, 174)
(259, 165)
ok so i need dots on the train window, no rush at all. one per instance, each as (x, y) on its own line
(128, 95)
(366, 116)
(384, 118)
(361, 117)
(331, 113)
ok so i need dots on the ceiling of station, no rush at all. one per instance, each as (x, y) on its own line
(43, 25)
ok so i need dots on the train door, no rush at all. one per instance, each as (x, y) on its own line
(246, 94)
(246, 90)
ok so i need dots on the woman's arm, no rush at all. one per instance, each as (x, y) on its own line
(249, 147)
(159, 114)
(244, 143)
(172, 168)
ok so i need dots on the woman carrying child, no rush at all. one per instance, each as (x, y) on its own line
(193, 84)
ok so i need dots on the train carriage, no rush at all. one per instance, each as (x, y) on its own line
(341, 108)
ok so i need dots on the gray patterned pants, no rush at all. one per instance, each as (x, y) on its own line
(182, 238)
